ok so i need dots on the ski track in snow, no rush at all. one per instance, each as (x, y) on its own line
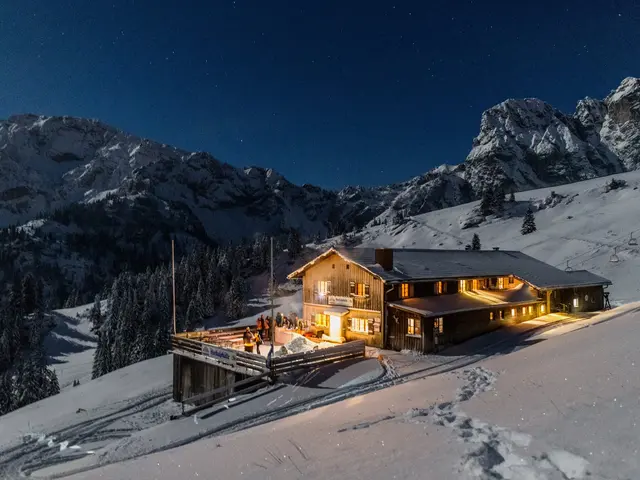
(496, 453)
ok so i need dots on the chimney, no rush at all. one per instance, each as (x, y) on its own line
(384, 258)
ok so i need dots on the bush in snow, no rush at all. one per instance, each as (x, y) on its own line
(614, 184)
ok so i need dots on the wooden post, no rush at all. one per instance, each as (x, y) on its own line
(273, 323)
(173, 275)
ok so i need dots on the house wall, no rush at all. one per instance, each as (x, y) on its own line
(191, 377)
(398, 338)
(457, 327)
(427, 289)
(422, 289)
(341, 274)
(589, 299)
(374, 319)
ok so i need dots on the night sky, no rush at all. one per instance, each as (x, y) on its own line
(326, 92)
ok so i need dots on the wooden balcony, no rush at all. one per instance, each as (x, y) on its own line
(345, 300)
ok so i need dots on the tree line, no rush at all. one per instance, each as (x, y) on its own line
(24, 376)
(136, 322)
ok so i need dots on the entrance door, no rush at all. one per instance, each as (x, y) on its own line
(335, 326)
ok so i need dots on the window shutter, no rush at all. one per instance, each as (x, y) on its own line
(435, 288)
(366, 290)
(352, 288)
(329, 286)
(444, 287)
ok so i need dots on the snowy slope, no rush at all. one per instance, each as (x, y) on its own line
(535, 413)
(70, 345)
(583, 228)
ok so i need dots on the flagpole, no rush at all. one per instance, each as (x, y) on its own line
(173, 276)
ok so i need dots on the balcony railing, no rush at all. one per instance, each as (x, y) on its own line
(349, 301)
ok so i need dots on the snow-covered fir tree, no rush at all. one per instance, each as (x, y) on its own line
(24, 376)
(137, 322)
(475, 242)
(528, 223)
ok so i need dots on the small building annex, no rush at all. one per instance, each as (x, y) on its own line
(418, 299)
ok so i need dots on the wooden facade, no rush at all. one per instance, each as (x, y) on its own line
(334, 282)
(425, 333)
(193, 377)
(575, 300)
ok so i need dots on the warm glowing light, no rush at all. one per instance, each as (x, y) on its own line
(575, 302)
(335, 326)
(541, 308)
(513, 312)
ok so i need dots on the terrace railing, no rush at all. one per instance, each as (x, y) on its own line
(216, 353)
(287, 363)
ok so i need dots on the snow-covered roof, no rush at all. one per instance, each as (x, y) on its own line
(424, 264)
(466, 301)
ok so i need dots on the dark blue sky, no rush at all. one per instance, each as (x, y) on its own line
(330, 92)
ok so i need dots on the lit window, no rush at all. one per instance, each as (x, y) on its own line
(413, 326)
(530, 309)
(438, 288)
(542, 307)
(513, 312)
(404, 290)
(575, 302)
(360, 325)
(324, 287)
(500, 283)
(524, 310)
(322, 320)
(491, 316)
(462, 285)
(511, 280)
(359, 289)
(500, 314)
(438, 325)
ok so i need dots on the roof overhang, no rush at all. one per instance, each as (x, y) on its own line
(298, 273)
(336, 311)
(489, 306)
(584, 285)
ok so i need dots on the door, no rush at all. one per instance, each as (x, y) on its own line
(335, 326)
(396, 335)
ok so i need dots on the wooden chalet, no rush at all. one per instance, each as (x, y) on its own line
(419, 299)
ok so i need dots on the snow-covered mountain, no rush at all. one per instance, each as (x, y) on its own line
(51, 162)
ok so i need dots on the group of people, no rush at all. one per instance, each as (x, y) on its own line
(263, 330)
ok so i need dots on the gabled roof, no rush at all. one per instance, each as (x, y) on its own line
(422, 264)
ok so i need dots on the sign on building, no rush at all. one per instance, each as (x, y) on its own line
(341, 301)
(222, 355)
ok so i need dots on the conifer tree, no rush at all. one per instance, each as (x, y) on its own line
(528, 223)
(294, 243)
(475, 242)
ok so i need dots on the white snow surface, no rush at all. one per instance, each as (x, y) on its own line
(70, 345)
(562, 408)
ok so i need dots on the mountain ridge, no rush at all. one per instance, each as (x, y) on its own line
(89, 184)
